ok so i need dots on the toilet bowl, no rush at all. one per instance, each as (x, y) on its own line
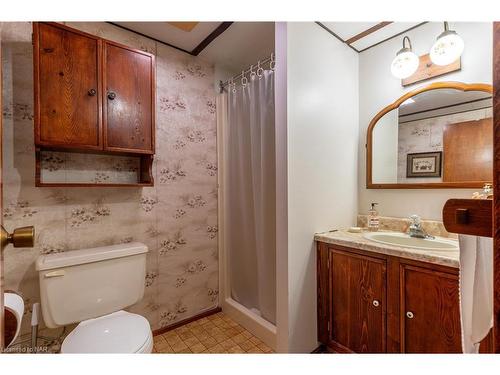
(92, 287)
(119, 332)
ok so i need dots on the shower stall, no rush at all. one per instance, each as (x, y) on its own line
(247, 199)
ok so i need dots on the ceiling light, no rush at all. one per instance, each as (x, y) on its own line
(447, 48)
(406, 62)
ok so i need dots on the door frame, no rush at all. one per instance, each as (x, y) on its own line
(496, 185)
(1, 208)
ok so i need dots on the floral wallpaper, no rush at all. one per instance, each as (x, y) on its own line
(176, 219)
(426, 135)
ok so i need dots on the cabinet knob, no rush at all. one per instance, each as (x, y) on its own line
(409, 315)
(111, 95)
(376, 303)
(92, 92)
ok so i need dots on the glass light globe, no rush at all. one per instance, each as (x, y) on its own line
(447, 48)
(404, 64)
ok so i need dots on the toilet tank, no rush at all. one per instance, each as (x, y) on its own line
(83, 284)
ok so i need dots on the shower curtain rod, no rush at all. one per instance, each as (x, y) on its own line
(252, 68)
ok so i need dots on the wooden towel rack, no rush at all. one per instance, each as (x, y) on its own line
(469, 216)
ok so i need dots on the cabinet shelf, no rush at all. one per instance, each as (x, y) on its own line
(69, 168)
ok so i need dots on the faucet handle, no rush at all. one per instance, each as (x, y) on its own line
(415, 219)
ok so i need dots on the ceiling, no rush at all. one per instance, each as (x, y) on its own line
(190, 37)
(234, 45)
(441, 102)
(241, 45)
(363, 35)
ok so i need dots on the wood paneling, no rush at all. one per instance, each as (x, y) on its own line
(468, 216)
(432, 185)
(468, 151)
(129, 99)
(431, 300)
(496, 182)
(357, 302)
(427, 70)
(67, 93)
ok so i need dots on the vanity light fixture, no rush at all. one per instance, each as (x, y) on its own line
(447, 48)
(406, 62)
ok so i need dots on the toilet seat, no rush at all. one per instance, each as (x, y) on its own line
(119, 332)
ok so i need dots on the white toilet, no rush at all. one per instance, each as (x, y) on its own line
(91, 286)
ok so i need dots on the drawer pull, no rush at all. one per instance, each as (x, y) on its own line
(92, 92)
(111, 95)
(409, 315)
(376, 303)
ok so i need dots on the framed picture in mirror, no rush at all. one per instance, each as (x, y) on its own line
(424, 164)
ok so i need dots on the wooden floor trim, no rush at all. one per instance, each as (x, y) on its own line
(180, 323)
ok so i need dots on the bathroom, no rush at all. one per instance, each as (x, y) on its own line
(249, 186)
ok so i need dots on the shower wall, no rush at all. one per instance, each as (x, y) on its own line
(176, 219)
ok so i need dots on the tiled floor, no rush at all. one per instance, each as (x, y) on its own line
(214, 334)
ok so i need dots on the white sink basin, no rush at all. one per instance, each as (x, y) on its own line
(404, 240)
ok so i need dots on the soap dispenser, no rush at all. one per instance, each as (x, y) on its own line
(373, 218)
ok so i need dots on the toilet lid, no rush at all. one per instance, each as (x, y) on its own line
(119, 332)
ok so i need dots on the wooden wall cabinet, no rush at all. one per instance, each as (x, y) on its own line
(373, 303)
(92, 95)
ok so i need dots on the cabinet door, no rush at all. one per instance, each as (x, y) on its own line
(358, 302)
(129, 99)
(67, 95)
(429, 311)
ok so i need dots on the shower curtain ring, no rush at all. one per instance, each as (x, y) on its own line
(244, 80)
(272, 64)
(252, 73)
(259, 70)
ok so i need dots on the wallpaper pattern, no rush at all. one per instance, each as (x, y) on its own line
(426, 135)
(176, 219)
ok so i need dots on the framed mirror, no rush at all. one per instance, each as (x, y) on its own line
(437, 136)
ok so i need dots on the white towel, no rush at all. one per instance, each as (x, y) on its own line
(476, 290)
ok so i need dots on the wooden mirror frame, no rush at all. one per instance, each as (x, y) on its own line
(424, 185)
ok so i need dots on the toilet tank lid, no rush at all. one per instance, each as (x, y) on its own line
(96, 254)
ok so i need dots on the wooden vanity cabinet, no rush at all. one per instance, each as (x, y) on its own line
(374, 303)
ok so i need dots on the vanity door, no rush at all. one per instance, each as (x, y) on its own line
(430, 313)
(358, 302)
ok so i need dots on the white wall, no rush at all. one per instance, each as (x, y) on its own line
(322, 161)
(280, 110)
(385, 149)
(378, 88)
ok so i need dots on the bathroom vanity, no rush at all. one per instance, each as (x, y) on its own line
(380, 298)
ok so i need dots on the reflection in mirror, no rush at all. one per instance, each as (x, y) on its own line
(437, 136)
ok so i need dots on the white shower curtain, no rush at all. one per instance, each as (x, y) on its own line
(249, 193)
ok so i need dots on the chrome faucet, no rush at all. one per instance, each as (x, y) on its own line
(416, 230)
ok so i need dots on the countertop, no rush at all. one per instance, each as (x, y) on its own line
(357, 241)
